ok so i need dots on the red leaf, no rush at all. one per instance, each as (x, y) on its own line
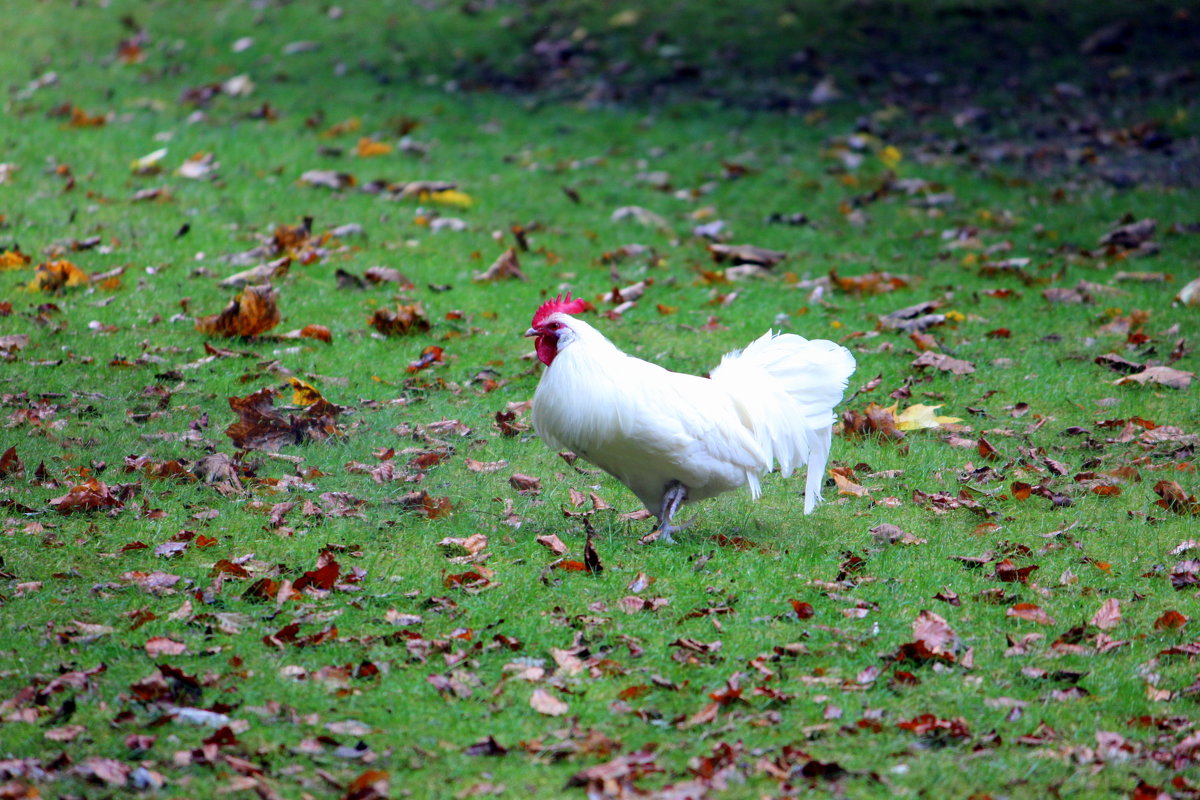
(1170, 621)
(803, 610)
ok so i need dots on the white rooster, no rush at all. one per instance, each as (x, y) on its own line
(675, 438)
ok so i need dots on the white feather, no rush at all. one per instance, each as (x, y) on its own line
(647, 426)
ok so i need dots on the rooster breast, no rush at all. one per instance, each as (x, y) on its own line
(645, 425)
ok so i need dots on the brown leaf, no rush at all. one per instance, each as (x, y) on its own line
(431, 507)
(620, 771)
(943, 362)
(803, 610)
(261, 427)
(1174, 498)
(1164, 376)
(471, 545)
(104, 770)
(379, 275)
(91, 495)
(846, 486)
(1170, 621)
(1119, 363)
(1130, 235)
(158, 646)
(874, 419)
(934, 633)
(1108, 616)
(484, 467)
(871, 283)
(545, 703)
(913, 318)
(986, 450)
(9, 345)
(552, 543)
(504, 267)
(591, 558)
(66, 733)
(404, 320)
(746, 254)
(525, 484)
(923, 341)
(928, 725)
(1030, 613)
(1065, 296)
(1185, 575)
(252, 312)
(11, 464)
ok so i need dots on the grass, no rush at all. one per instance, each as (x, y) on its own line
(69, 409)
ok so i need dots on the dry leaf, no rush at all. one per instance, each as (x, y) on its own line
(1108, 616)
(553, 543)
(54, 276)
(252, 312)
(506, 266)
(402, 321)
(943, 362)
(1165, 376)
(545, 703)
(1031, 613)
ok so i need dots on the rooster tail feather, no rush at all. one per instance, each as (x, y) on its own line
(785, 387)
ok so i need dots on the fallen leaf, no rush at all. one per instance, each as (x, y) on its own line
(551, 542)
(91, 495)
(54, 276)
(1108, 616)
(943, 362)
(158, 646)
(1030, 613)
(404, 320)
(504, 267)
(252, 312)
(545, 703)
(1164, 376)
(1174, 498)
(1170, 621)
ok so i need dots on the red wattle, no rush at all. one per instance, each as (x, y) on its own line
(546, 348)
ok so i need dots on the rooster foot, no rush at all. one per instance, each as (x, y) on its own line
(674, 496)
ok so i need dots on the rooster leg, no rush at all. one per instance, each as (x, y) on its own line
(674, 495)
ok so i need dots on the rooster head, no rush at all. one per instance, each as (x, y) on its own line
(549, 327)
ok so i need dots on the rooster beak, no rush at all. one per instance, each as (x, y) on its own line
(531, 332)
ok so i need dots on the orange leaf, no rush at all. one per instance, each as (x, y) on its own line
(252, 312)
(316, 332)
(1170, 621)
(368, 148)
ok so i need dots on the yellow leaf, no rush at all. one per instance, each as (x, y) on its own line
(55, 275)
(891, 156)
(304, 394)
(13, 259)
(955, 316)
(919, 416)
(452, 197)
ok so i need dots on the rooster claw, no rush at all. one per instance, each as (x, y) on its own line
(658, 535)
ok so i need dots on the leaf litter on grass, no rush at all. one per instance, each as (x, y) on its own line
(295, 574)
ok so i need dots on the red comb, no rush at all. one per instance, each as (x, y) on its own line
(563, 304)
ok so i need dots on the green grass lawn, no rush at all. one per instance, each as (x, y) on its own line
(774, 653)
